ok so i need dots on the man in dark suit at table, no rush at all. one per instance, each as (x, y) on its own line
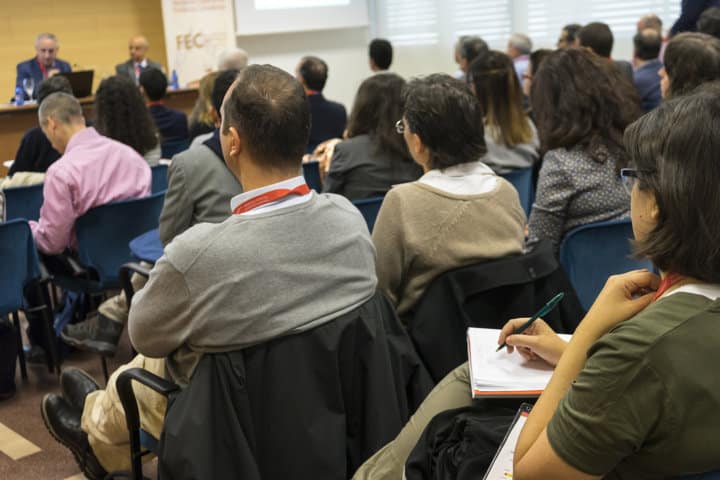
(328, 118)
(138, 62)
(44, 65)
(172, 124)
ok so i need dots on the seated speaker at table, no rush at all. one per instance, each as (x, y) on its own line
(138, 62)
(44, 65)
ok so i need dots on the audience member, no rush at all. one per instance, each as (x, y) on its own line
(120, 114)
(536, 59)
(632, 347)
(200, 187)
(459, 212)
(468, 49)
(92, 171)
(598, 37)
(232, 59)
(709, 22)
(518, 49)
(44, 65)
(234, 269)
(201, 122)
(328, 118)
(172, 124)
(510, 137)
(691, 59)
(568, 36)
(138, 62)
(582, 106)
(650, 21)
(374, 157)
(647, 68)
(690, 13)
(380, 53)
(35, 153)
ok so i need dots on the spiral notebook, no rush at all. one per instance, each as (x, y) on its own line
(502, 374)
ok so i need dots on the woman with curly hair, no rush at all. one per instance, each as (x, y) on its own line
(121, 114)
(581, 107)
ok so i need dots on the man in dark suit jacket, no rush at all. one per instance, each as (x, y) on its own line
(138, 61)
(328, 118)
(598, 37)
(44, 65)
(647, 64)
(172, 124)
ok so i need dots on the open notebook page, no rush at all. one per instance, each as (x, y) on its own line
(500, 373)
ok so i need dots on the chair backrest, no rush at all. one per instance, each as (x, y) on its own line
(352, 383)
(19, 261)
(487, 295)
(104, 233)
(311, 172)
(170, 148)
(369, 207)
(159, 178)
(522, 180)
(591, 253)
(23, 202)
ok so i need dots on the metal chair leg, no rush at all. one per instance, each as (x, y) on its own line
(52, 339)
(21, 351)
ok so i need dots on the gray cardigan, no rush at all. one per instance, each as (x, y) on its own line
(200, 187)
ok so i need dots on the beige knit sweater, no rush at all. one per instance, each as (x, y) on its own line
(422, 232)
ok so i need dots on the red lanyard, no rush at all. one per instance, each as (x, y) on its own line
(269, 197)
(667, 283)
(155, 103)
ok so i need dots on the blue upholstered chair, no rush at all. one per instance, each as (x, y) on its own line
(369, 208)
(159, 178)
(311, 172)
(703, 476)
(23, 202)
(591, 253)
(20, 268)
(522, 180)
(171, 148)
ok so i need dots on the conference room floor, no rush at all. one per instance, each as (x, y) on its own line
(27, 451)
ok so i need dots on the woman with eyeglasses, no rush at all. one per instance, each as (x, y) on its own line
(581, 108)
(459, 212)
(635, 393)
(374, 157)
(510, 136)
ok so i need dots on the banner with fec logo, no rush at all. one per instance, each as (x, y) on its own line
(196, 33)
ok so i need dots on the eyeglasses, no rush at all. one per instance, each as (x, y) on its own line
(400, 127)
(629, 177)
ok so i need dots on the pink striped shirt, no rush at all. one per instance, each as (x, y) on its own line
(93, 171)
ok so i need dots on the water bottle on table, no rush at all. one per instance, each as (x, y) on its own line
(19, 96)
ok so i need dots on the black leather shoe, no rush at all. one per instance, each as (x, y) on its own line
(63, 423)
(76, 384)
(97, 334)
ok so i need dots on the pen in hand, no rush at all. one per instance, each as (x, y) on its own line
(547, 308)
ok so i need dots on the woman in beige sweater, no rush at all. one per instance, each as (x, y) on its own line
(459, 212)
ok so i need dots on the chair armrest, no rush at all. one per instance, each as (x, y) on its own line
(129, 403)
(125, 273)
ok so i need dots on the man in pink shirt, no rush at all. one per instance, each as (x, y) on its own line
(92, 171)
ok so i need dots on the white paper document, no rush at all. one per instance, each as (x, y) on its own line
(501, 467)
(501, 373)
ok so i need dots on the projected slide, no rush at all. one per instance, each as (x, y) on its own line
(260, 17)
(280, 4)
